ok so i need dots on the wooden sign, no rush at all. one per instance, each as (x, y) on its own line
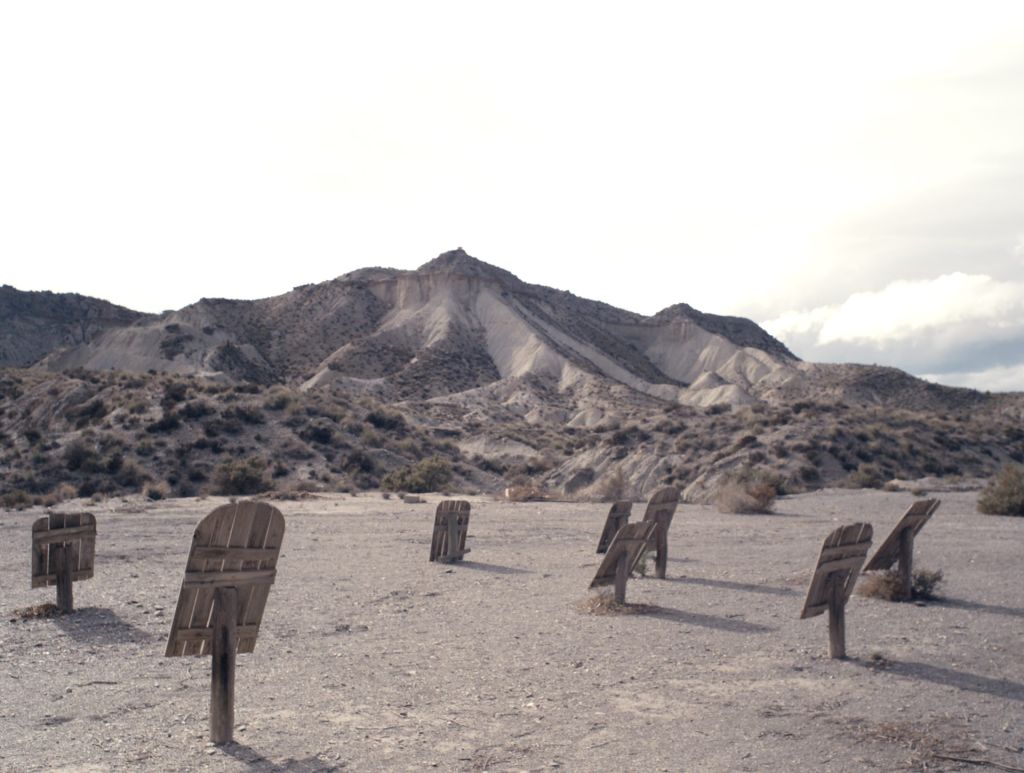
(842, 555)
(451, 525)
(624, 552)
(618, 517)
(63, 551)
(899, 545)
(230, 568)
(660, 510)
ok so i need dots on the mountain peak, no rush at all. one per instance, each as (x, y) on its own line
(458, 261)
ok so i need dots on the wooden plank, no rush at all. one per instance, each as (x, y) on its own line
(914, 519)
(75, 531)
(246, 555)
(451, 526)
(62, 558)
(660, 510)
(267, 532)
(618, 516)
(225, 579)
(63, 535)
(200, 634)
(237, 545)
(632, 539)
(846, 548)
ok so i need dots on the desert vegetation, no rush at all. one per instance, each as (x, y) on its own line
(1004, 493)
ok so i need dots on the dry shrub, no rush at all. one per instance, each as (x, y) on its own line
(747, 490)
(887, 586)
(604, 603)
(1004, 494)
(37, 611)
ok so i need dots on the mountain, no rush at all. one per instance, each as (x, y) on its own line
(454, 324)
(33, 324)
(348, 381)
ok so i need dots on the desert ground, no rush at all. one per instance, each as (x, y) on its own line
(372, 658)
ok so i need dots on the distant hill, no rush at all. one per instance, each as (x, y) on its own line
(507, 381)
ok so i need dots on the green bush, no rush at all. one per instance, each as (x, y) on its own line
(1004, 494)
(241, 477)
(431, 474)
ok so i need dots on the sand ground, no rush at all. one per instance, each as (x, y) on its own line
(371, 658)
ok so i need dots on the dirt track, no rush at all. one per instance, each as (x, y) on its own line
(372, 658)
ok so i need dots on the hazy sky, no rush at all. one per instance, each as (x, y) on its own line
(849, 175)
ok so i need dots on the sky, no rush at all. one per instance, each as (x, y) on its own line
(850, 176)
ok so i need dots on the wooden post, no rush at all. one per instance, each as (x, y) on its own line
(60, 559)
(621, 575)
(453, 536)
(224, 645)
(907, 564)
(836, 621)
(661, 560)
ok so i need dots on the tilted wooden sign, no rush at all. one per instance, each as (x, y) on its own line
(625, 550)
(660, 510)
(842, 555)
(451, 525)
(231, 566)
(63, 552)
(618, 517)
(899, 545)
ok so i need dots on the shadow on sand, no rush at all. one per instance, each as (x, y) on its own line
(732, 625)
(257, 761)
(975, 606)
(947, 677)
(99, 624)
(729, 585)
(493, 568)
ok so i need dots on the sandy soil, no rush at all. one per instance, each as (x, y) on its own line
(371, 658)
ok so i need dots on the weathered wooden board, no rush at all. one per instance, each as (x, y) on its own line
(75, 532)
(236, 546)
(630, 540)
(841, 558)
(917, 515)
(451, 525)
(618, 517)
(660, 510)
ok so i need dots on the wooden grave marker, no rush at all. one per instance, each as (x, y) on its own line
(660, 510)
(230, 568)
(842, 555)
(899, 545)
(451, 525)
(63, 551)
(618, 517)
(624, 552)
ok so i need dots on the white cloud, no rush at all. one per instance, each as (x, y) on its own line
(949, 307)
(1002, 378)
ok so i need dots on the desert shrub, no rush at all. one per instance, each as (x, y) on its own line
(174, 393)
(747, 490)
(88, 412)
(277, 400)
(865, 476)
(1004, 493)
(358, 461)
(166, 423)
(318, 431)
(887, 586)
(80, 456)
(241, 477)
(246, 413)
(426, 475)
(15, 500)
(155, 491)
(387, 421)
(196, 409)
